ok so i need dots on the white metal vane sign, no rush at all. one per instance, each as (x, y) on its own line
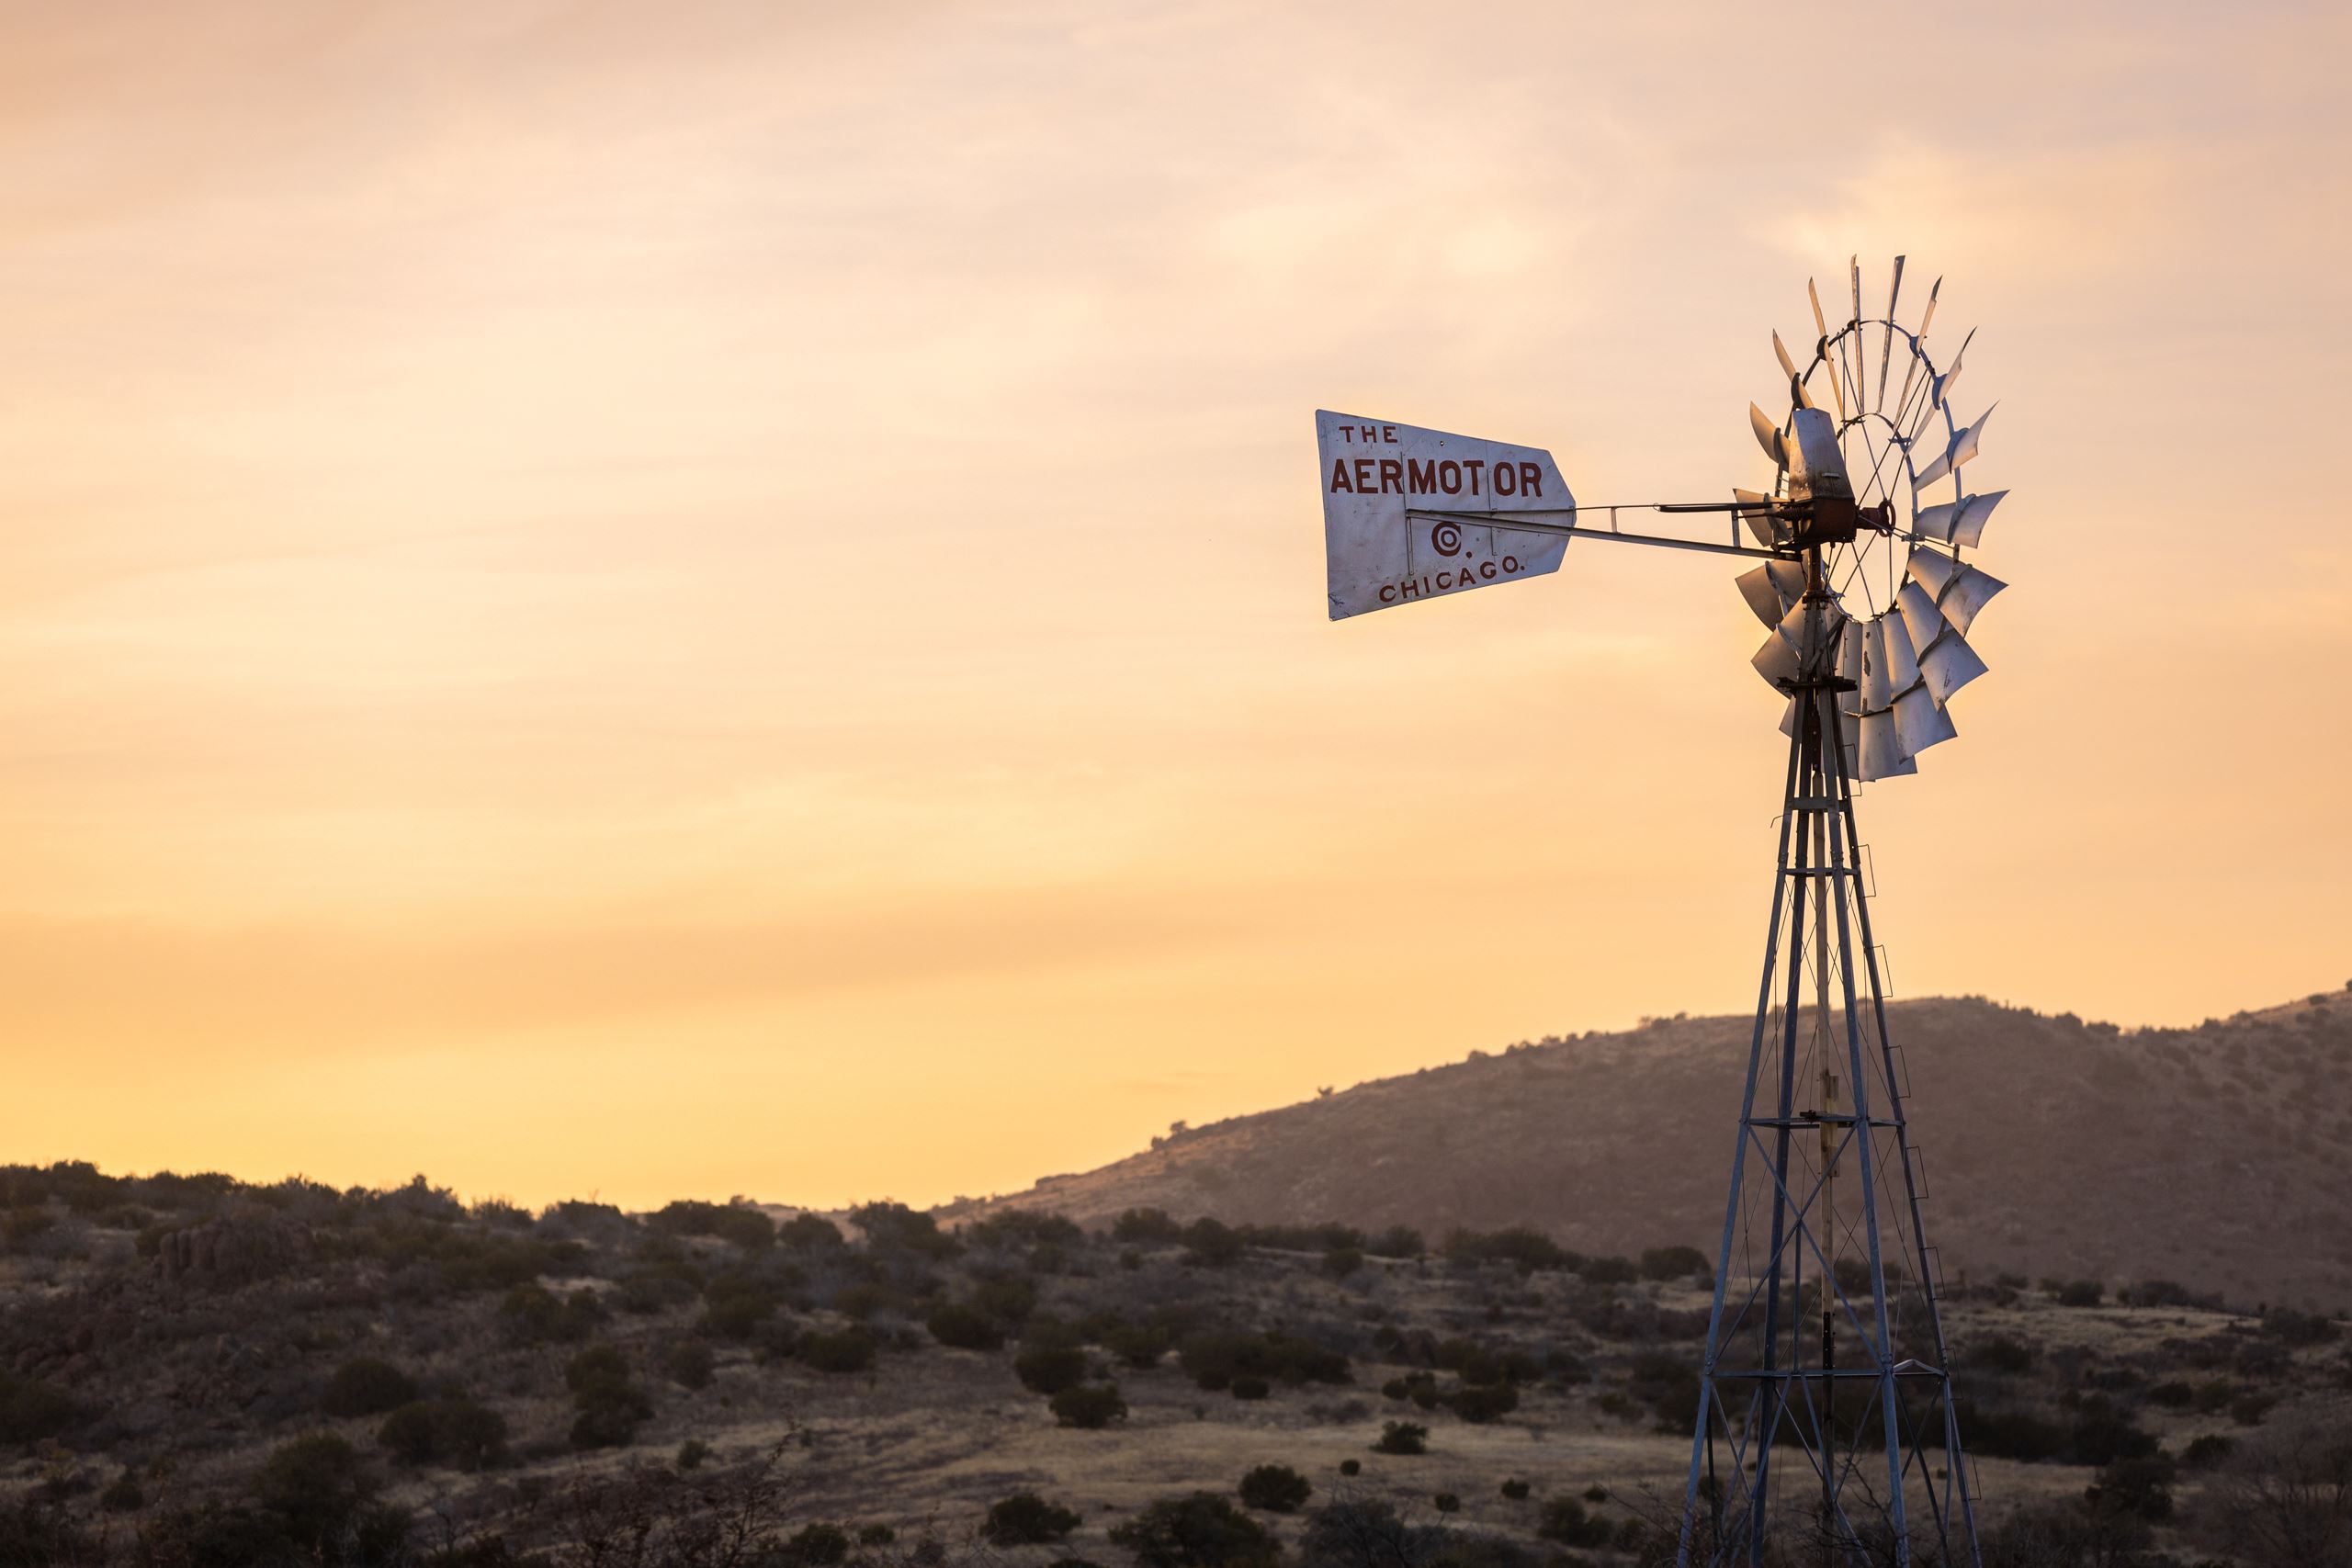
(1387, 489)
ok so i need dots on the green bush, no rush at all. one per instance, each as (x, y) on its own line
(1480, 1403)
(1351, 1467)
(658, 1289)
(32, 1410)
(1609, 1271)
(1015, 1228)
(366, 1386)
(2001, 1432)
(1516, 1490)
(2298, 1328)
(963, 1327)
(861, 1300)
(2139, 1487)
(2000, 1353)
(1446, 1503)
(597, 1364)
(1026, 1519)
(1248, 1386)
(737, 1222)
(1674, 1263)
(1203, 1530)
(889, 1226)
(2081, 1294)
(851, 1350)
(691, 1453)
(609, 1404)
(1529, 1250)
(1212, 1244)
(2103, 1434)
(407, 1434)
(1090, 1406)
(690, 1364)
(608, 1418)
(810, 1233)
(1401, 1438)
(816, 1546)
(1274, 1489)
(529, 1313)
(123, 1495)
(1565, 1521)
(1137, 1346)
(459, 1433)
(1147, 1227)
(2209, 1449)
(1050, 1369)
(1328, 1236)
(1397, 1241)
(1342, 1261)
(318, 1491)
(734, 1306)
(1008, 1298)
(1214, 1359)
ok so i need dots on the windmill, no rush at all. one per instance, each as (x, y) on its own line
(1825, 1428)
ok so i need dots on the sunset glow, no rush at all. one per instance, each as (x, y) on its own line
(729, 598)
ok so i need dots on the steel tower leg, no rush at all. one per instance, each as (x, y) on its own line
(1862, 1414)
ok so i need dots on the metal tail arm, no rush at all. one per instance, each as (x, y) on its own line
(1532, 522)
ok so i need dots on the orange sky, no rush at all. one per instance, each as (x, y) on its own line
(673, 601)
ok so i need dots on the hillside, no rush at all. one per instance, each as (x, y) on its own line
(196, 1372)
(2214, 1156)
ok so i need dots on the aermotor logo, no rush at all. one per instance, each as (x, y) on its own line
(1446, 538)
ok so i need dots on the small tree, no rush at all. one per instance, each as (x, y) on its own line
(1274, 1489)
(1402, 1437)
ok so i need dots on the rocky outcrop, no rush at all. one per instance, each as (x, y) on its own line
(233, 1249)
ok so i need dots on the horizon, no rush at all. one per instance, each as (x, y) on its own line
(649, 1203)
(733, 602)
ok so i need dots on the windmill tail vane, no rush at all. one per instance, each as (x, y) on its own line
(1826, 1424)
